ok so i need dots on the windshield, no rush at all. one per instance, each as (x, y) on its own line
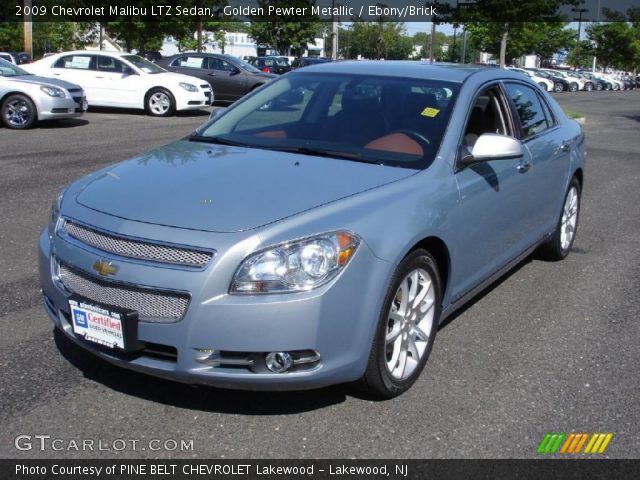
(143, 64)
(384, 120)
(8, 69)
(246, 66)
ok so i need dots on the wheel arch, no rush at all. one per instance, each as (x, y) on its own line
(579, 174)
(35, 104)
(440, 252)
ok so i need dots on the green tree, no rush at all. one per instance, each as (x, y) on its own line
(286, 33)
(614, 44)
(494, 22)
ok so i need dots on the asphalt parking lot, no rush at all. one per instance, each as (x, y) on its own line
(553, 347)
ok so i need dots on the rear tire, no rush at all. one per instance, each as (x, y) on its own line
(558, 87)
(18, 112)
(573, 87)
(406, 327)
(559, 244)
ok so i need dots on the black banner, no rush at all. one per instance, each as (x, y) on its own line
(440, 11)
(318, 469)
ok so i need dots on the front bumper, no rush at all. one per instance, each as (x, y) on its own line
(185, 100)
(51, 108)
(336, 321)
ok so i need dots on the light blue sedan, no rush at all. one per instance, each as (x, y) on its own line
(318, 231)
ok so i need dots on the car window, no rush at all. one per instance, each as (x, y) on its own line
(143, 64)
(191, 62)
(216, 63)
(551, 119)
(78, 62)
(529, 108)
(109, 64)
(487, 115)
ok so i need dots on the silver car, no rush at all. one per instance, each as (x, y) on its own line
(26, 98)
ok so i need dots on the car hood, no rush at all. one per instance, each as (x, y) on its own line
(38, 80)
(226, 189)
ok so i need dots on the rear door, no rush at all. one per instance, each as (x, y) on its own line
(81, 70)
(542, 135)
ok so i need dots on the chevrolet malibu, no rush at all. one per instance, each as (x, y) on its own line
(26, 99)
(122, 80)
(318, 231)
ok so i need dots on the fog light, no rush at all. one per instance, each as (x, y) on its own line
(278, 362)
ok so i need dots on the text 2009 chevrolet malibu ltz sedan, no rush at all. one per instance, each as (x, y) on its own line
(317, 231)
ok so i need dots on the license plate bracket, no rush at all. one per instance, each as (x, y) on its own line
(106, 325)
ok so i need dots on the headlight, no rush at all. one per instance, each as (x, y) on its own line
(189, 87)
(56, 205)
(53, 91)
(295, 266)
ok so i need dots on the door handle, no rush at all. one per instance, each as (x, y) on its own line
(99, 77)
(524, 166)
(565, 146)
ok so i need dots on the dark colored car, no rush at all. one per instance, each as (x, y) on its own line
(306, 61)
(151, 56)
(277, 65)
(230, 77)
(559, 84)
(22, 57)
(599, 81)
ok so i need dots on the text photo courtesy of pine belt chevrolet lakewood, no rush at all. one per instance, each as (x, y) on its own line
(112, 79)
(26, 99)
(317, 231)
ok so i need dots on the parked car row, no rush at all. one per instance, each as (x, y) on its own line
(573, 81)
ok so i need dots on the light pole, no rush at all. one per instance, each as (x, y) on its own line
(579, 11)
(593, 68)
(28, 37)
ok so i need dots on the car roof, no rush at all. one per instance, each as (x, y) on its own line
(406, 68)
(107, 53)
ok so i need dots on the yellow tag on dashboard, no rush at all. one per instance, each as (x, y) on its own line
(430, 112)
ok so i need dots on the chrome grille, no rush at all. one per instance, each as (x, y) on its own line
(136, 248)
(151, 305)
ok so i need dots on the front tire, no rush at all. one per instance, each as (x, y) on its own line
(588, 87)
(406, 328)
(573, 87)
(160, 103)
(558, 87)
(18, 112)
(560, 243)
(543, 86)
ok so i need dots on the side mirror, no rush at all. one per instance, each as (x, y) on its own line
(216, 113)
(129, 71)
(491, 146)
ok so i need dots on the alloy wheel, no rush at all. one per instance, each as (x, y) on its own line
(409, 323)
(569, 219)
(159, 103)
(17, 113)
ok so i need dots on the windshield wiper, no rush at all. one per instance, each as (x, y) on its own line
(322, 152)
(216, 140)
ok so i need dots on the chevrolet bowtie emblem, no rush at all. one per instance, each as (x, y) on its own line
(104, 268)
